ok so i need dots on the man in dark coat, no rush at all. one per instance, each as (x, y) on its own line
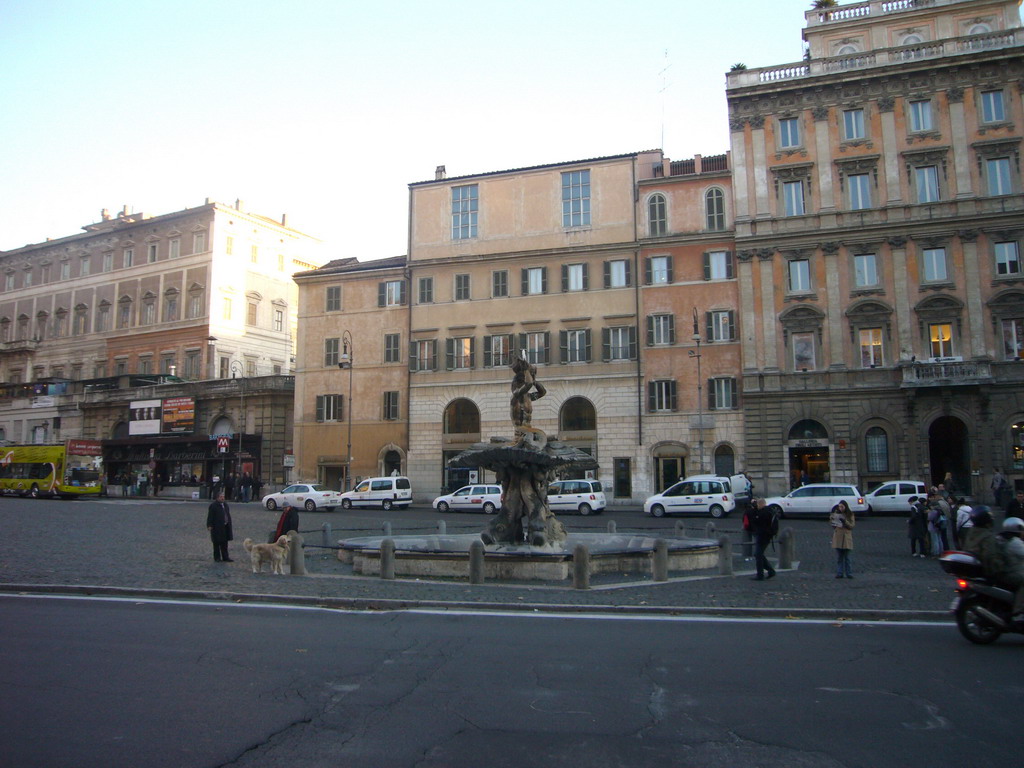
(289, 521)
(761, 527)
(218, 523)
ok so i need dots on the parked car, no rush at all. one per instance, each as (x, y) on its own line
(894, 497)
(697, 495)
(470, 498)
(817, 499)
(308, 496)
(583, 496)
(383, 492)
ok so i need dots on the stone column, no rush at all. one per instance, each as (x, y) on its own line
(740, 181)
(959, 144)
(762, 206)
(766, 264)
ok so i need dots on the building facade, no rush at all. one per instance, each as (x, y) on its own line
(878, 215)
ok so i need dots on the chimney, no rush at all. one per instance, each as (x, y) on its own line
(105, 214)
(440, 173)
(124, 212)
(238, 204)
(284, 219)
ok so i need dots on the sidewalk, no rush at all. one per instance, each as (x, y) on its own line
(138, 549)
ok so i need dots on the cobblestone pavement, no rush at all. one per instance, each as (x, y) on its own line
(149, 545)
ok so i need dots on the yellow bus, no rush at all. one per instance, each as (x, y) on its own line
(70, 469)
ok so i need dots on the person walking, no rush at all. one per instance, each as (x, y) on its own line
(762, 524)
(917, 528)
(938, 512)
(218, 523)
(842, 521)
(1000, 488)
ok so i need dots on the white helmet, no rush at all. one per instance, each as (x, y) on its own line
(1013, 525)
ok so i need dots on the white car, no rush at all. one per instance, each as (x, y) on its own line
(471, 498)
(817, 499)
(894, 497)
(583, 496)
(308, 496)
(383, 492)
(700, 495)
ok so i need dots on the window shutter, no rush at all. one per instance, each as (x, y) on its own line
(728, 264)
(732, 325)
(650, 330)
(671, 329)
(565, 278)
(629, 272)
(382, 294)
(563, 347)
(586, 351)
(449, 354)
(433, 354)
(709, 327)
(586, 277)
(547, 346)
(632, 342)
(647, 270)
(668, 263)
(711, 396)
(525, 281)
(732, 387)
(606, 344)
(543, 279)
(487, 352)
(319, 407)
(521, 347)
(652, 396)
(413, 350)
(607, 274)
(341, 408)
(707, 266)
(672, 395)
(472, 351)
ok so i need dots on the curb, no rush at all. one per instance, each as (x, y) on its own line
(386, 604)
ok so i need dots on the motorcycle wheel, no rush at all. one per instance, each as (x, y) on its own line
(973, 626)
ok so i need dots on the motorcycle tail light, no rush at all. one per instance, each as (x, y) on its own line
(961, 584)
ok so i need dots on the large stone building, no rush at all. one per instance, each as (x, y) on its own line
(136, 301)
(878, 215)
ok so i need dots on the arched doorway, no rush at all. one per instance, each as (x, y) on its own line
(461, 424)
(669, 465)
(808, 453)
(577, 426)
(948, 451)
(725, 461)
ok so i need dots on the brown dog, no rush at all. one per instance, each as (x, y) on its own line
(267, 553)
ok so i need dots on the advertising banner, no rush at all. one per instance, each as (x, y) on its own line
(179, 415)
(144, 417)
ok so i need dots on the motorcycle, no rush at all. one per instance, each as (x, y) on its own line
(983, 609)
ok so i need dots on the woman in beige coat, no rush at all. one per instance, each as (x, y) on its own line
(842, 521)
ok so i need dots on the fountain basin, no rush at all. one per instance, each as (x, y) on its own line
(447, 556)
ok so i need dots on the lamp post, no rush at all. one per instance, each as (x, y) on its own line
(346, 361)
(238, 368)
(700, 393)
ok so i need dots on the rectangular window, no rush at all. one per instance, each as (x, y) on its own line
(497, 350)
(332, 352)
(721, 325)
(460, 353)
(799, 276)
(465, 206)
(425, 291)
(167, 365)
(174, 248)
(870, 347)
(199, 242)
(254, 254)
(853, 124)
(332, 299)
(124, 315)
(992, 109)
(659, 270)
(1007, 258)
(859, 185)
(170, 308)
(1013, 339)
(661, 395)
(391, 293)
(423, 355)
(534, 281)
(803, 352)
(120, 367)
(65, 271)
(926, 179)
(86, 262)
(148, 312)
(499, 283)
(934, 264)
(280, 262)
(227, 309)
(229, 245)
(108, 264)
(865, 270)
(78, 326)
(462, 287)
(718, 265)
(576, 345)
(793, 198)
(941, 338)
(619, 343)
(9, 281)
(279, 320)
(576, 199)
(722, 394)
(920, 116)
(617, 274)
(151, 252)
(192, 363)
(390, 412)
(250, 368)
(27, 280)
(103, 318)
(129, 257)
(145, 365)
(661, 330)
(330, 408)
(574, 277)
(789, 132)
(195, 305)
(536, 346)
(250, 314)
(392, 352)
(997, 172)
(225, 367)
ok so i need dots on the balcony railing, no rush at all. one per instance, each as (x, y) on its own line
(946, 374)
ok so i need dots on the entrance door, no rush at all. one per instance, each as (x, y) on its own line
(671, 469)
(948, 451)
(808, 465)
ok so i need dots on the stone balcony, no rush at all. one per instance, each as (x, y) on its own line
(946, 374)
(20, 345)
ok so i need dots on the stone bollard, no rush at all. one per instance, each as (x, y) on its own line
(296, 555)
(442, 527)
(680, 529)
(386, 528)
(387, 559)
(787, 548)
(476, 562)
(326, 529)
(612, 527)
(581, 567)
(724, 556)
(659, 563)
(709, 530)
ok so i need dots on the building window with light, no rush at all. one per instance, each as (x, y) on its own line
(941, 339)
(423, 355)
(460, 353)
(391, 293)
(870, 347)
(1013, 339)
(721, 325)
(497, 350)
(658, 270)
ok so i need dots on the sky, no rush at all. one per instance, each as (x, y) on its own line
(328, 110)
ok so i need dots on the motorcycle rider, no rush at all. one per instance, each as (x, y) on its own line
(1000, 562)
(1013, 539)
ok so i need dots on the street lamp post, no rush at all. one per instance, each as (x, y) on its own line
(346, 361)
(238, 368)
(700, 393)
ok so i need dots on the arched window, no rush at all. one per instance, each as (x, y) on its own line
(577, 415)
(657, 215)
(979, 29)
(714, 209)
(808, 429)
(461, 417)
(911, 40)
(876, 450)
(846, 50)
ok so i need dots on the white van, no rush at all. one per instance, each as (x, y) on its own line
(383, 492)
(699, 494)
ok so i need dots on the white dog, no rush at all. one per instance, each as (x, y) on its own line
(267, 553)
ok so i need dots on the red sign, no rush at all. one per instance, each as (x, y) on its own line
(222, 444)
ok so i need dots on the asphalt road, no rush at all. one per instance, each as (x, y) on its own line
(99, 683)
